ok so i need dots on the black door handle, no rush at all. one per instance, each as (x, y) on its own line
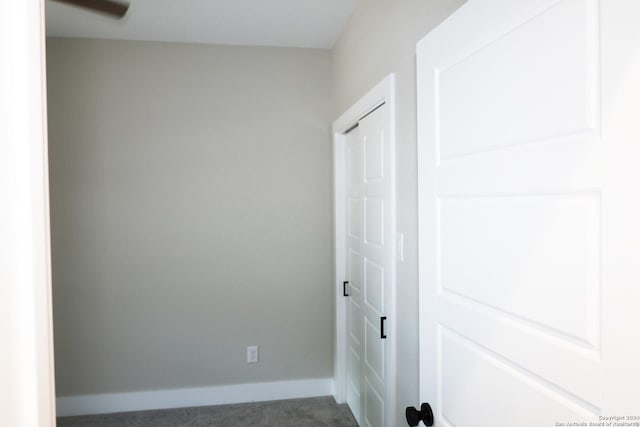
(383, 335)
(344, 289)
(425, 414)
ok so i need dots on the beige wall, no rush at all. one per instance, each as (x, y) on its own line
(379, 39)
(190, 195)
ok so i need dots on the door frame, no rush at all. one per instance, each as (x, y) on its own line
(382, 93)
(27, 394)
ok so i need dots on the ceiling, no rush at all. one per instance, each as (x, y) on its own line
(290, 23)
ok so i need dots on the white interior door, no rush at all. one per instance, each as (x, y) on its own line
(353, 287)
(369, 265)
(529, 167)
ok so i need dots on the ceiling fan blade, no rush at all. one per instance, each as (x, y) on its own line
(110, 7)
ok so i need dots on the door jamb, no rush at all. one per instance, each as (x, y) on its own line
(27, 397)
(382, 93)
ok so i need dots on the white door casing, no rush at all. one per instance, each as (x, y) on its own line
(529, 235)
(365, 257)
(27, 391)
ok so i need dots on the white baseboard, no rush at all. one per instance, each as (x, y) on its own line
(202, 396)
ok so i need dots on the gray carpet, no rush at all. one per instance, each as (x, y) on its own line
(315, 412)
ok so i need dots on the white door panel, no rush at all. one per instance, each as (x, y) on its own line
(370, 269)
(355, 322)
(528, 167)
(563, 33)
(377, 261)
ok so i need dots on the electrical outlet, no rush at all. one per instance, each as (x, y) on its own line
(252, 354)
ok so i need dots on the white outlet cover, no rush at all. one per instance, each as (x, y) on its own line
(252, 354)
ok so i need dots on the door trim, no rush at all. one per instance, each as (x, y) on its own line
(382, 93)
(27, 394)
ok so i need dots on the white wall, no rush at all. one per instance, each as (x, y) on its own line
(191, 206)
(380, 39)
